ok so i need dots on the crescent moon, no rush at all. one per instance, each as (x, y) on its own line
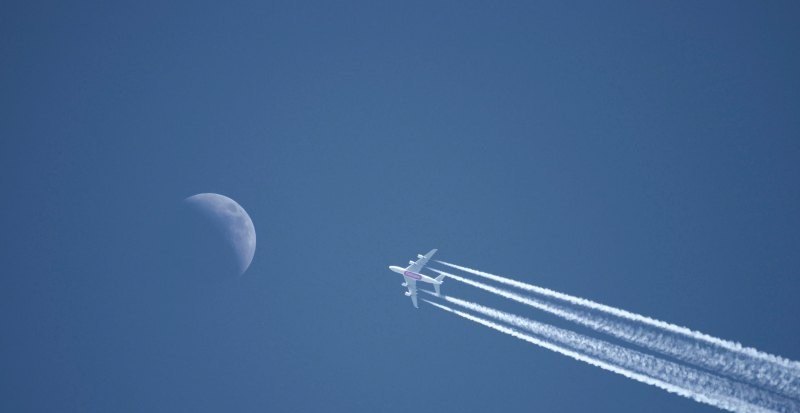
(232, 220)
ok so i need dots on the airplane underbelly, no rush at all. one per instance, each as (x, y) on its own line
(412, 275)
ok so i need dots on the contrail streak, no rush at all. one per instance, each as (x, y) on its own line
(729, 345)
(696, 385)
(722, 361)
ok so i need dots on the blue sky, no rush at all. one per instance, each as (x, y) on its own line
(642, 155)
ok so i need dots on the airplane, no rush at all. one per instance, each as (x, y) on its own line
(411, 275)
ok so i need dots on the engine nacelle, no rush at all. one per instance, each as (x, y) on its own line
(411, 263)
(408, 294)
(420, 256)
(404, 285)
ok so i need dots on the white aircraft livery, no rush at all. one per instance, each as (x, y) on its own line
(412, 275)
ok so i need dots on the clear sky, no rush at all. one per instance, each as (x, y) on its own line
(642, 155)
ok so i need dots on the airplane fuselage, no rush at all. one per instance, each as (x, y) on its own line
(413, 275)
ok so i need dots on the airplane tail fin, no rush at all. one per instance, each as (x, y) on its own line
(439, 281)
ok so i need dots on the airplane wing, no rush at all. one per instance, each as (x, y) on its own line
(412, 290)
(417, 266)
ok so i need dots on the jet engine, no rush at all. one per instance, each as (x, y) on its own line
(404, 285)
(420, 256)
(408, 294)
(411, 263)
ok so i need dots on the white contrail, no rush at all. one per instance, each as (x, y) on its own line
(729, 345)
(767, 375)
(685, 381)
(718, 400)
(700, 381)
